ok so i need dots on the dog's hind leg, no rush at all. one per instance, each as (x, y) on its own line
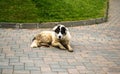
(34, 44)
(45, 44)
(57, 44)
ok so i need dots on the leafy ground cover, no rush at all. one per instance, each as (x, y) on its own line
(50, 10)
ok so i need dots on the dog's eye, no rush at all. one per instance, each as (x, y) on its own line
(63, 30)
(57, 30)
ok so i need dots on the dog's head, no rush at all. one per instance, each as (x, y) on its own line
(60, 31)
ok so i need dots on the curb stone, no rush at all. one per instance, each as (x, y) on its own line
(52, 24)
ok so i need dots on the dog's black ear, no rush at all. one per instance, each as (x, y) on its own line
(33, 39)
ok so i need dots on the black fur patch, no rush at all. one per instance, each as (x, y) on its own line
(57, 30)
(63, 30)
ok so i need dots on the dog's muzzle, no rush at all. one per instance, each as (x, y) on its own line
(60, 37)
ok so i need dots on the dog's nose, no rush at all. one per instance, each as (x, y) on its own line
(59, 37)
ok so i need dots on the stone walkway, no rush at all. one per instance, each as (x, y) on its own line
(96, 50)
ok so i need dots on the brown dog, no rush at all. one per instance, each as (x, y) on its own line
(59, 37)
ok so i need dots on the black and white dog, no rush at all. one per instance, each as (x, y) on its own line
(59, 37)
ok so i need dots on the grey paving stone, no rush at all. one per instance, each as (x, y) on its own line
(7, 71)
(29, 64)
(16, 63)
(2, 55)
(40, 63)
(33, 55)
(21, 72)
(76, 63)
(32, 68)
(63, 63)
(19, 67)
(59, 69)
(49, 73)
(36, 72)
(0, 71)
(21, 54)
(114, 69)
(6, 67)
(67, 66)
(55, 66)
(14, 60)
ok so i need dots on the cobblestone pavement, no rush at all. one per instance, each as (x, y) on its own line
(96, 50)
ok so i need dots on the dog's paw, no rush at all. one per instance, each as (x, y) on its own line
(70, 50)
(33, 45)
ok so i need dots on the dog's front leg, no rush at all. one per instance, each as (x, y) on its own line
(57, 44)
(69, 48)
